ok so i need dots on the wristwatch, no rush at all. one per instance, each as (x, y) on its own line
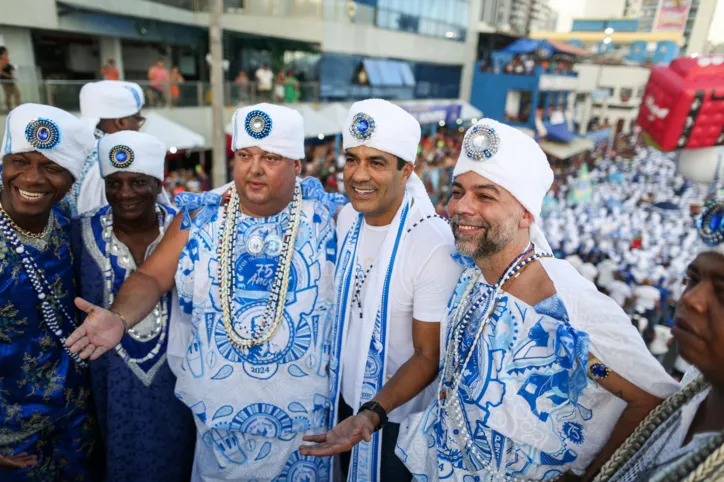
(377, 408)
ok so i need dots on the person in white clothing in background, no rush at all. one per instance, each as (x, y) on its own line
(620, 292)
(395, 275)
(108, 106)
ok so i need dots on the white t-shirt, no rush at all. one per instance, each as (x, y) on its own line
(265, 79)
(660, 343)
(606, 269)
(588, 271)
(424, 278)
(619, 292)
(646, 298)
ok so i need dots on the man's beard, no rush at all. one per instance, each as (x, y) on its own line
(492, 241)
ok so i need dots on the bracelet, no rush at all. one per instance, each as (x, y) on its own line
(123, 319)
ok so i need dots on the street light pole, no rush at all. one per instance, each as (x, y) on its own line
(218, 142)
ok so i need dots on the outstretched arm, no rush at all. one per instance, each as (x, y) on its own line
(412, 377)
(103, 329)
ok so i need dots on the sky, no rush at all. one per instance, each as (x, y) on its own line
(569, 9)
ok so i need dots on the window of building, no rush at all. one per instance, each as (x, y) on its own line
(436, 18)
(518, 106)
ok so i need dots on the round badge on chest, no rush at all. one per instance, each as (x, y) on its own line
(273, 245)
(255, 245)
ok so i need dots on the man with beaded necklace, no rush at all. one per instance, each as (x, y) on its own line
(540, 371)
(46, 432)
(254, 277)
(683, 438)
(394, 276)
(133, 385)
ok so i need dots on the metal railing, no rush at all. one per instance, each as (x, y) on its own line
(64, 94)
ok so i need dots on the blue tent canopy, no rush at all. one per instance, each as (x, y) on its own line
(558, 132)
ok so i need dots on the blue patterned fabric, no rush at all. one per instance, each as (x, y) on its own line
(249, 405)
(312, 189)
(44, 395)
(147, 433)
(523, 397)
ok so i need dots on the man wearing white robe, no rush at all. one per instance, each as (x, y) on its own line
(541, 372)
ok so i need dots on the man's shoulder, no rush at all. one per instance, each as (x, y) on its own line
(426, 231)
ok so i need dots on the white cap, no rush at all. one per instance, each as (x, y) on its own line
(273, 128)
(509, 158)
(57, 134)
(130, 151)
(110, 99)
(382, 125)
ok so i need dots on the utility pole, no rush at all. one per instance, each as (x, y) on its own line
(219, 162)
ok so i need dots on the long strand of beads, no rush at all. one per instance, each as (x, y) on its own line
(41, 287)
(453, 369)
(274, 311)
(160, 311)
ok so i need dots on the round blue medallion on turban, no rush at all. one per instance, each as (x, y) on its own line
(363, 126)
(481, 142)
(121, 156)
(258, 124)
(42, 134)
(711, 223)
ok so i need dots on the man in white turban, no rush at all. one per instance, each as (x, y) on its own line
(107, 106)
(111, 243)
(538, 366)
(394, 277)
(254, 276)
(46, 431)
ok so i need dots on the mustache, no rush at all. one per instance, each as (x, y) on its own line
(458, 220)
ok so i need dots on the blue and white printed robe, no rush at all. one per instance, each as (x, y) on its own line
(44, 394)
(252, 406)
(528, 404)
(147, 433)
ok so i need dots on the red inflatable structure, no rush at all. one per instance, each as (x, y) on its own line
(683, 105)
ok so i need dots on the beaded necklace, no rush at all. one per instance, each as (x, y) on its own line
(41, 287)
(274, 311)
(160, 311)
(696, 466)
(454, 365)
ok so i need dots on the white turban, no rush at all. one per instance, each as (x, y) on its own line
(109, 99)
(55, 133)
(130, 151)
(273, 128)
(384, 126)
(514, 161)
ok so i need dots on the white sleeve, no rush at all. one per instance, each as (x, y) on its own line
(92, 192)
(434, 285)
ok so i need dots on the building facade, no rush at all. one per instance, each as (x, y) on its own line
(413, 50)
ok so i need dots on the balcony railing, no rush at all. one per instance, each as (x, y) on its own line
(64, 94)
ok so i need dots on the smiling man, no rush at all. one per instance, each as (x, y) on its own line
(108, 106)
(394, 277)
(110, 243)
(541, 372)
(46, 433)
(683, 438)
(255, 281)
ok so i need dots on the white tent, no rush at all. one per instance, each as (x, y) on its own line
(335, 111)
(172, 134)
(470, 112)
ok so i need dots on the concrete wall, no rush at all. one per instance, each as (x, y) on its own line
(33, 13)
(19, 43)
(702, 24)
(604, 8)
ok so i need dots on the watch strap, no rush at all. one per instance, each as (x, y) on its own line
(373, 406)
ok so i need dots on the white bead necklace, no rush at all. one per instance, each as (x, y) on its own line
(41, 287)
(453, 368)
(274, 311)
(160, 311)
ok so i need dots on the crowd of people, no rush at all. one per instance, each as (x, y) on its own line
(259, 330)
(526, 64)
